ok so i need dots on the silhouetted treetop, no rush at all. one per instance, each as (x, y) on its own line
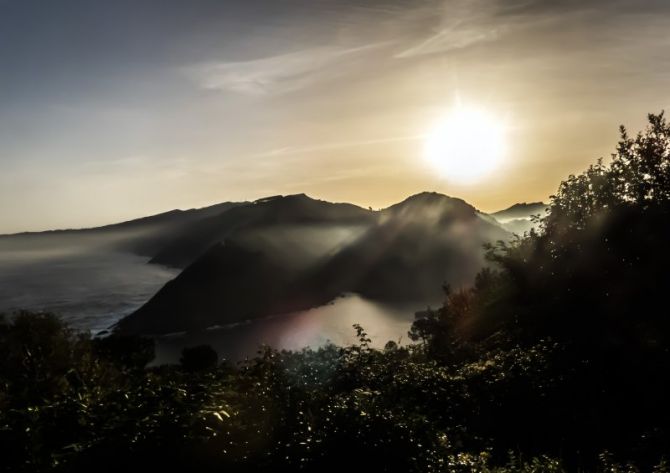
(638, 174)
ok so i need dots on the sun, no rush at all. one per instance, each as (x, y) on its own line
(465, 145)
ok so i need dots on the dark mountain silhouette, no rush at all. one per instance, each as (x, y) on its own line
(247, 261)
(227, 279)
(144, 236)
(426, 238)
(522, 210)
(247, 222)
(517, 218)
(393, 255)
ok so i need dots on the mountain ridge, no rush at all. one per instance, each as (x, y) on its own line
(222, 206)
(399, 254)
(520, 210)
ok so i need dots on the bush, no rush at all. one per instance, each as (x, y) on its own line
(199, 358)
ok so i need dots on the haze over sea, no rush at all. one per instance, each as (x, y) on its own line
(92, 289)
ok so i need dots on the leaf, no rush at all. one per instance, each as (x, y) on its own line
(218, 415)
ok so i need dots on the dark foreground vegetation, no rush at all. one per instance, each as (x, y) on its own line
(557, 360)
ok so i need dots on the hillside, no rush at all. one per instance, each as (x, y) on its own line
(517, 218)
(276, 217)
(401, 254)
(144, 236)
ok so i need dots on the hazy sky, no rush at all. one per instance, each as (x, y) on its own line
(116, 109)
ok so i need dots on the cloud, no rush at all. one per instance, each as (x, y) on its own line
(293, 150)
(450, 39)
(280, 73)
(462, 23)
(597, 6)
(409, 30)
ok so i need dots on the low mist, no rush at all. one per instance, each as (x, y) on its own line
(82, 278)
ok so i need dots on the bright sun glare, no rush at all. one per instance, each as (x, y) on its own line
(465, 145)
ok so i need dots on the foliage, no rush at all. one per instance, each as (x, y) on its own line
(127, 352)
(638, 176)
(199, 358)
(349, 407)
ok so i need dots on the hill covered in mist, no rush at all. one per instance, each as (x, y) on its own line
(143, 236)
(293, 253)
(519, 217)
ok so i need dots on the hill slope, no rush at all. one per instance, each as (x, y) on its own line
(276, 217)
(401, 254)
(517, 218)
(144, 236)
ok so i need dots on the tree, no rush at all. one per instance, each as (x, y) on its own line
(127, 351)
(440, 330)
(638, 175)
(199, 358)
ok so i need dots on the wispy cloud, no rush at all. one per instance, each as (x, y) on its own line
(280, 73)
(462, 23)
(432, 27)
(450, 39)
(294, 150)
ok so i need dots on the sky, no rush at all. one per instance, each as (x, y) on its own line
(111, 110)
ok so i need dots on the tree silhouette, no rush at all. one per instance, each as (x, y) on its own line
(199, 358)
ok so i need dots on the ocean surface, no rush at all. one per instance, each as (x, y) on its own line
(92, 289)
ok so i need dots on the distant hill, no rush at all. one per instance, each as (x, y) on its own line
(415, 246)
(517, 218)
(292, 253)
(263, 223)
(522, 210)
(171, 216)
(144, 236)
